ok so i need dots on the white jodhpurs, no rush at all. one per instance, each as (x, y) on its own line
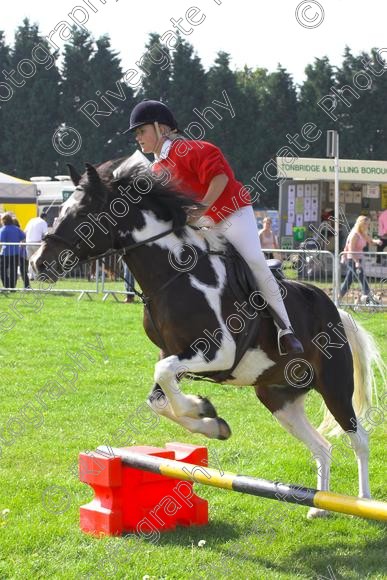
(240, 229)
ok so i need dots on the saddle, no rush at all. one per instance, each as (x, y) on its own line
(242, 284)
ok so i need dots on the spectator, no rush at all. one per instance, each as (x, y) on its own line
(325, 229)
(382, 232)
(35, 230)
(268, 239)
(358, 238)
(23, 262)
(9, 257)
(129, 285)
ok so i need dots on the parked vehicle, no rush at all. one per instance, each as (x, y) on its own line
(52, 193)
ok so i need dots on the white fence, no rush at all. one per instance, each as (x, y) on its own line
(368, 283)
(106, 277)
(364, 280)
(116, 280)
(16, 275)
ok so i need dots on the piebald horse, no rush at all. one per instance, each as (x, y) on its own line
(192, 314)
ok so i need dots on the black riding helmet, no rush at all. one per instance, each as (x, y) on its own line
(149, 111)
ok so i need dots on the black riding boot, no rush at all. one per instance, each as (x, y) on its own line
(288, 343)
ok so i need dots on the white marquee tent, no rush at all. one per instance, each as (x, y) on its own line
(14, 190)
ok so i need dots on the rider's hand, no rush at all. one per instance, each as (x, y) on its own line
(194, 213)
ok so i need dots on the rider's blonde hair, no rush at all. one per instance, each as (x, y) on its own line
(360, 224)
(172, 135)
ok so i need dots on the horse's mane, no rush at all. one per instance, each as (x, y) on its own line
(165, 201)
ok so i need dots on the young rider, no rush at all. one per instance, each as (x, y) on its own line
(200, 168)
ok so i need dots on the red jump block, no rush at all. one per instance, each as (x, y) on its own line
(131, 500)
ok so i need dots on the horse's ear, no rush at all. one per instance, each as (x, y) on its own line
(92, 174)
(96, 188)
(75, 176)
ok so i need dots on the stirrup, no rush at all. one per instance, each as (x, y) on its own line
(283, 332)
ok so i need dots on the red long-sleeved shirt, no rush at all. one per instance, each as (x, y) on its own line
(193, 165)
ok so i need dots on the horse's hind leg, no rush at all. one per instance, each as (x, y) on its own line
(340, 406)
(288, 408)
(359, 442)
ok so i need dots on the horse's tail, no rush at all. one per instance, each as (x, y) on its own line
(366, 356)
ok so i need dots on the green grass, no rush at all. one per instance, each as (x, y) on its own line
(248, 537)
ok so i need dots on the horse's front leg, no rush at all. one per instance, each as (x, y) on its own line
(191, 411)
(214, 428)
(200, 406)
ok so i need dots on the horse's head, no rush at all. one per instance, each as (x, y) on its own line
(85, 225)
(105, 211)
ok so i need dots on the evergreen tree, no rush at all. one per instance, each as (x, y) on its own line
(223, 87)
(156, 65)
(76, 72)
(95, 101)
(350, 109)
(114, 97)
(280, 110)
(5, 62)
(376, 124)
(32, 112)
(77, 88)
(362, 119)
(279, 123)
(265, 109)
(319, 82)
(250, 155)
(188, 87)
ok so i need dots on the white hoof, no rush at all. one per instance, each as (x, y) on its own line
(197, 407)
(213, 428)
(317, 513)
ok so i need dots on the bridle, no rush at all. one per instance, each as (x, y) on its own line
(75, 245)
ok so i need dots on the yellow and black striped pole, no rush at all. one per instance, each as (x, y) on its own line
(355, 506)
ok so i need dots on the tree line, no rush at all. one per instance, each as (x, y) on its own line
(42, 102)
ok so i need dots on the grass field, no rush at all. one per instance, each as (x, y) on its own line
(40, 495)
